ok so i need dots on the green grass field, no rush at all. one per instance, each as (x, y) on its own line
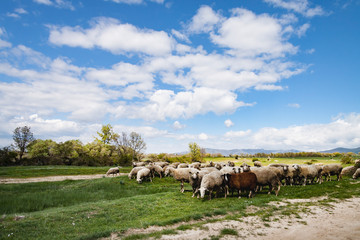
(91, 209)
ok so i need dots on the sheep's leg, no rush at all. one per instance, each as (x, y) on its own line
(304, 184)
(210, 192)
(239, 191)
(277, 191)
(250, 194)
(182, 187)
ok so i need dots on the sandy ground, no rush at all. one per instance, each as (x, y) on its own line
(340, 221)
(53, 178)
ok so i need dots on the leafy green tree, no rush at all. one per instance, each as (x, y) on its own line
(42, 151)
(7, 156)
(106, 134)
(22, 137)
(195, 152)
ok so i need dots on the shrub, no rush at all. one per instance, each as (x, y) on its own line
(255, 159)
(347, 159)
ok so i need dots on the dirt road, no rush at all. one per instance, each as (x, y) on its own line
(53, 178)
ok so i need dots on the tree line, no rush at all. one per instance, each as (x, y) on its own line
(108, 148)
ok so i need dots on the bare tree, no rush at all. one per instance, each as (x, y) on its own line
(22, 137)
(136, 144)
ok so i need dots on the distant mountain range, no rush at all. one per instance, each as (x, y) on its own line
(253, 151)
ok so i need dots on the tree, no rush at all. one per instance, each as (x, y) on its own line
(195, 152)
(7, 156)
(22, 137)
(136, 144)
(106, 134)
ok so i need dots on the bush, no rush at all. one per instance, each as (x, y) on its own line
(7, 156)
(347, 159)
(255, 159)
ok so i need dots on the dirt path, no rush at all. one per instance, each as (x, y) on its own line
(53, 178)
(338, 221)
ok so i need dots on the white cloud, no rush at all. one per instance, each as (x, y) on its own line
(203, 136)
(299, 6)
(111, 35)
(57, 3)
(46, 2)
(228, 123)
(177, 125)
(136, 1)
(165, 104)
(204, 20)
(341, 132)
(252, 35)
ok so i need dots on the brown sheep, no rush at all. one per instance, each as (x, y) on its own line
(242, 181)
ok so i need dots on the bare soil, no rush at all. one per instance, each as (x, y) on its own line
(53, 178)
(339, 220)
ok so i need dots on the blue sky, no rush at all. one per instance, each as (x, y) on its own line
(270, 74)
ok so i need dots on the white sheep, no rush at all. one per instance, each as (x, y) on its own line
(195, 165)
(332, 169)
(183, 165)
(257, 164)
(143, 174)
(138, 164)
(308, 172)
(134, 172)
(267, 177)
(356, 174)
(212, 181)
(113, 171)
(180, 174)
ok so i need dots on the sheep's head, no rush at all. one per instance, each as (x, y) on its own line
(139, 180)
(286, 168)
(246, 168)
(202, 192)
(194, 174)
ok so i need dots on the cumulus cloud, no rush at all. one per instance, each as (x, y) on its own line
(228, 123)
(341, 131)
(111, 35)
(252, 35)
(165, 104)
(299, 6)
(204, 20)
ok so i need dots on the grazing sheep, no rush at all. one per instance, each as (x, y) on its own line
(196, 177)
(162, 164)
(257, 164)
(113, 171)
(183, 165)
(291, 176)
(308, 172)
(195, 165)
(218, 166)
(357, 163)
(138, 164)
(134, 172)
(155, 169)
(242, 181)
(143, 174)
(332, 169)
(210, 164)
(280, 171)
(278, 165)
(348, 171)
(230, 164)
(210, 182)
(267, 177)
(356, 174)
(180, 174)
(225, 170)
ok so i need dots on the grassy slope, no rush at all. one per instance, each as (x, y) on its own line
(90, 209)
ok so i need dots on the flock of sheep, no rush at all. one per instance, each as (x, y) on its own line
(226, 177)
